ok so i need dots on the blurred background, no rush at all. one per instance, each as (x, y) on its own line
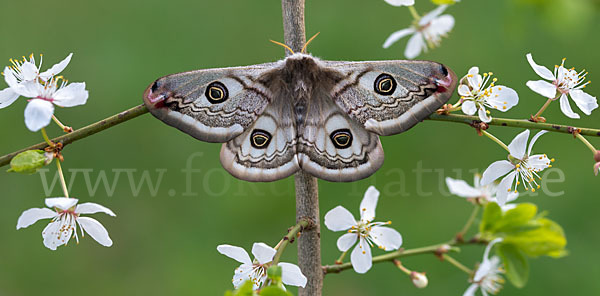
(168, 223)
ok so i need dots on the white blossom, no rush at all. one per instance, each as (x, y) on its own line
(426, 33)
(66, 215)
(24, 72)
(365, 231)
(563, 83)
(476, 95)
(521, 166)
(488, 275)
(401, 2)
(486, 192)
(256, 271)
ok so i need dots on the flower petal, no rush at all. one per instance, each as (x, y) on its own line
(386, 238)
(95, 230)
(540, 70)
(242, 274)
(461, 188)
(543, 88)
(62, 203)
(495, 171)
(483, 115)
(502, 98)
(31, 216)
(401, 2)
(29, 71)
(10, 78)
(236, 253)
(263, 253)
(415, 44)
(361, 257)
(38, 114)
(56, 68)
(397, 36)
(369, 204)
(464, 90)
(71, 95)
(92, 208)
(427, 18)
(338, 219)
(584, 101)
(565, 107)
(346, 241)
(52, 240)
(292, 275)
(7, 97)
(504, 188)
(471, 290)
(469, 107)
(539, 162)
(518, 145)
(533, 140)
(440, 26)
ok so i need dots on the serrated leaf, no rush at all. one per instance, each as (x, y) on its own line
(28, 162)
(274, 291)
(515, 264)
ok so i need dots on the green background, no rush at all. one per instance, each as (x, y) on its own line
(165, 243)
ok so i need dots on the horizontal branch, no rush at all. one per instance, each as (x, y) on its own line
(515, 123)
(141, 109)
(434, 249)
(83, 132)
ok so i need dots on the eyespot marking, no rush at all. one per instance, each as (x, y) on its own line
(216, 92)
(341, 138)
(260, 139)
(385, 84)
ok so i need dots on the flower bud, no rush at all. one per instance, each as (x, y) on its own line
(29, 162)
(419, 279)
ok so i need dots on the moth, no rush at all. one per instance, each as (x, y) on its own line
(301, 113)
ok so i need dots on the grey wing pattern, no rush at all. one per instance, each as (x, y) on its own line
(213, 105)
(333, 147)
(389, 97)
(266, 151)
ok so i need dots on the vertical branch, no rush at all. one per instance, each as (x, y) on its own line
(307, 195)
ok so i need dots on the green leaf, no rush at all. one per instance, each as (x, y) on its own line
(516, 218)
(515, 264)
(547, 238)
(491, 214)
(274, 291)
(28, 162)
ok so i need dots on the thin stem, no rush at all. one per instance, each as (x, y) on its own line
(539, 113)
(65, 128)
(496, 140)
(587, 143)
(46, 139)
(433, 249)
(341, 259)
(414, 13)
(519, 123)
(62, 178)
(457, 264)
(398, 264)
(83, 132)
(469, 223)
(290, 236)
